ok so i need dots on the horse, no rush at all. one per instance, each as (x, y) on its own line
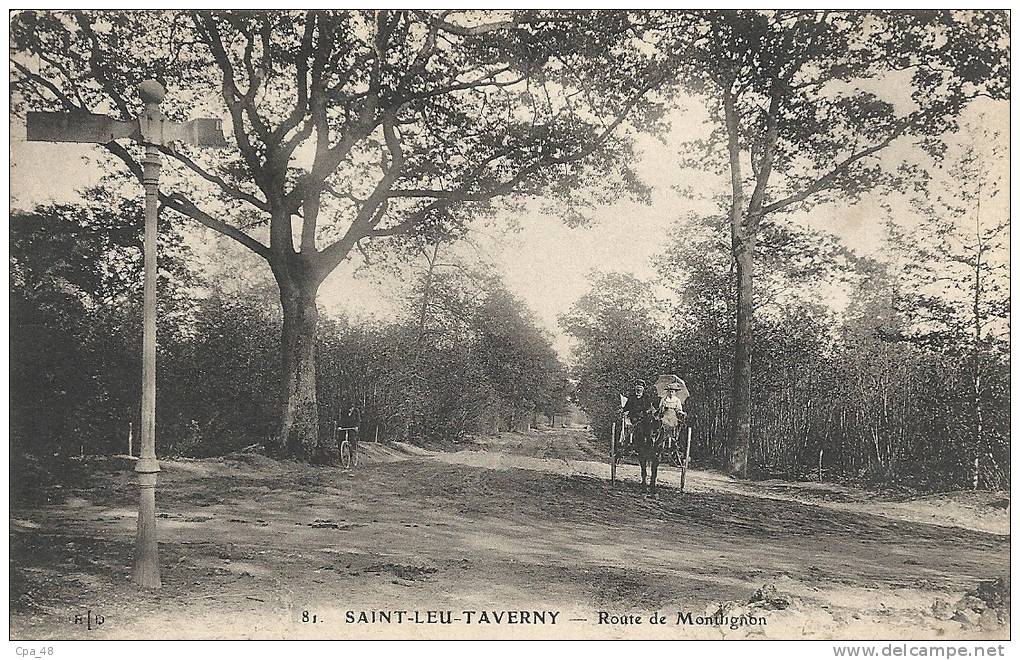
(649, 443)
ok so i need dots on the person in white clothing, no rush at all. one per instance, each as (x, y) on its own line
(671, 411)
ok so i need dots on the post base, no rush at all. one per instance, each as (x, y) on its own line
(146, 568)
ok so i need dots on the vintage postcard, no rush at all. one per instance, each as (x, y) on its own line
(550, 324)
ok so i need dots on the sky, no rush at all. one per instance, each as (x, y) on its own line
(546, 263)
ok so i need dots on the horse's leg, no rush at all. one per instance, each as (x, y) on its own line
(643, 460)
(655, 467)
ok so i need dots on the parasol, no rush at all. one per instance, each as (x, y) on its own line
(671, 382)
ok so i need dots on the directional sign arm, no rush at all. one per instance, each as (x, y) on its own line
(77, 127)
(100, 129)
(197, 132)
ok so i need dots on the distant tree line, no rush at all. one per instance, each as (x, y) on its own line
(476, 364)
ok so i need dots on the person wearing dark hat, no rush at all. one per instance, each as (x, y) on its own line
(350, 417)
(350, 423)
(639, 404)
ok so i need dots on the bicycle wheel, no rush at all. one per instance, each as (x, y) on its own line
(354, 454)
(345, 454)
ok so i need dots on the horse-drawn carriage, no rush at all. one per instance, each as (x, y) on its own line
(654, 432)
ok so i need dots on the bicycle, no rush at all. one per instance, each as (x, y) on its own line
(348, 447)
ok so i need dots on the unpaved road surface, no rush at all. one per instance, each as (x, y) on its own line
(251, 548)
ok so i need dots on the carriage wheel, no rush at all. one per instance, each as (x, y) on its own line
(685, 460)
(614, 458)
(345, 455)
(676, 455)
(683, 474)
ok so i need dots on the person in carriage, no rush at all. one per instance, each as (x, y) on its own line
(636, 409)
(670, 411)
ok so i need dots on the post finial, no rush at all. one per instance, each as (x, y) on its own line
(151, 91)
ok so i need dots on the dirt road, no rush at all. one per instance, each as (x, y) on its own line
(515, 526)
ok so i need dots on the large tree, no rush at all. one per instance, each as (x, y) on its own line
(348, 126)
(808, 105)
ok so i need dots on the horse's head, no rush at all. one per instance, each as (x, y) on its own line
(644, 425)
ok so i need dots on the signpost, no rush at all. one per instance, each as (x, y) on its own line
(151, 130)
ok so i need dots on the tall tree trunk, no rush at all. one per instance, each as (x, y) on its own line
(739, 437)
(299, 427)
(740, 415)
(744, 230)
(420, 336)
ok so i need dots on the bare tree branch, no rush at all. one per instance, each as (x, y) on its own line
(206, 24)
(826, 180)
(178, 202)
(226, 187)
